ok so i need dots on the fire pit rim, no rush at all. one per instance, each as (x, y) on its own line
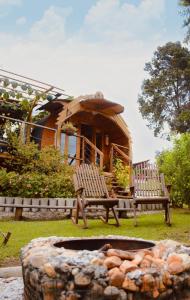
(105, 240)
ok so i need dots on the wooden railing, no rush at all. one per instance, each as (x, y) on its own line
(86, 152)
(91, 154)
(119, 152)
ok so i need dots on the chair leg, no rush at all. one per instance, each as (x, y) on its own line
(107, 214)
(77, 213)
(115, 216)
(168, 221)
(135, 216)
(81, 207)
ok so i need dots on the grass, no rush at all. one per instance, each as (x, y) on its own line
(150, 227)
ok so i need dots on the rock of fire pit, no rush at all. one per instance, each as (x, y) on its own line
(61, 273)
(116, 277)
(111, 292)
(112, 262)
(81, 280)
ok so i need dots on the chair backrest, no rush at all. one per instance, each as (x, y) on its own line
(147, 180)
(88, 177)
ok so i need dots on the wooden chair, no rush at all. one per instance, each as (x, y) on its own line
(149, 188)
(90, 188)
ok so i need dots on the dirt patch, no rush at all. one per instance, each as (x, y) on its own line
(10, 262)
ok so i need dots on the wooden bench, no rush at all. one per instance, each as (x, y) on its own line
(19, 207)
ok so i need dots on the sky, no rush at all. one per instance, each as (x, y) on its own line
(85, 46)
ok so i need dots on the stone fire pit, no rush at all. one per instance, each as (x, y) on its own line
(68, 269)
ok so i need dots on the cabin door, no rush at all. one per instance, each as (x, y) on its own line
(93, 136)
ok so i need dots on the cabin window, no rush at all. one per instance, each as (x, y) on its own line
(62, 142)
(72, 148)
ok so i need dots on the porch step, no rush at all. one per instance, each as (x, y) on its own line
(123, 197)
(122, 192)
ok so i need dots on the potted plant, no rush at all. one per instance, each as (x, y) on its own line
(69, 128)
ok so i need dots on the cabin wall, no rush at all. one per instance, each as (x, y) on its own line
(48, 136)
(99, 124)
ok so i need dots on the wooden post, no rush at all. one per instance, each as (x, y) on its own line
(58, 137)
(18, 213)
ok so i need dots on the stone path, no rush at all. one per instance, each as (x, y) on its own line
(10, 272)
(11, 283)
(11, 288)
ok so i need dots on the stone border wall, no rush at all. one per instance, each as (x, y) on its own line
(123, 204)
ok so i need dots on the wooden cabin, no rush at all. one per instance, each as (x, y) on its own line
(102, 135)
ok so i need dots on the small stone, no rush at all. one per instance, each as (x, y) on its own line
(138, 258)
(34, 278)
(72, 296)
(155, 293)
(145, 263)
(47, 285)
(96, 290)
(116, 277)
(59, 284)
(37, 260)
(97, 261)
(166, 294)
(159, 284)
(186, 261)
(129, 284)
(112, 262)
(158, 250)
(75, 271)
(149, 257)
(166, 277)
(174, 257)
(135, 274)
(175, 268)
(48, 296)
(175, 264)
(100, 271)
(82, 280)
(148, 282)
(127, 266)
(122, 295)
(158, 263)
(49, 270)
(102, 282)
(111, 292)
(120, 253)
(70, 286)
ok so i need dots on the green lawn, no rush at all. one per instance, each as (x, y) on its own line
(150, 227)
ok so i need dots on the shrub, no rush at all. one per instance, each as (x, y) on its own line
(175, 164)
(121, 172)
(35, 173)
(36, 185)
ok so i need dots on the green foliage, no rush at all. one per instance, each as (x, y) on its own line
(165, 94)
(41, 115)
(175, 164)
(33, 184)
(35, 173)
(186, 13)
(69, 127)
(121, 172)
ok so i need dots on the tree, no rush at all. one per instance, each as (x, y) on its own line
(165, 97)
(186, 13)
(175, 164)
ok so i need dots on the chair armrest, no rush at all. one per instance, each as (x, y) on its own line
(79, 191)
